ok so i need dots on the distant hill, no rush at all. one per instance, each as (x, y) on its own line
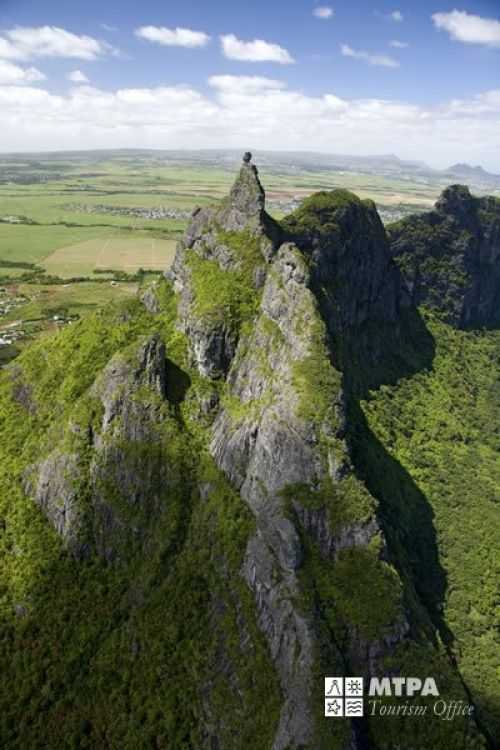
(475, 174)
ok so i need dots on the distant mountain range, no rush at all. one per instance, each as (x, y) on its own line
(466, 172)
(283, 161)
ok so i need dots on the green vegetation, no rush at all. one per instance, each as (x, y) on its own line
(227, 296)
(314, 378)
(347, 502)
(434, 465)
(317, 213)
(359, 591)
(133, 654)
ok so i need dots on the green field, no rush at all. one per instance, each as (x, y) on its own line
(43, 301)
(75, 216)
(124, 253)
(32, 244)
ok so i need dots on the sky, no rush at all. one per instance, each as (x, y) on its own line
(419, 80)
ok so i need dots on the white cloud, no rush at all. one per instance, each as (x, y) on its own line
(244, 84)
(247, 111)
(397, 44)
(109, 28)
(467, 28)
(397, 16)
(324, 12)
(23, 43)
(381, 60)
(76, 76)
(173, 37)
(14, 74)
(256, 51)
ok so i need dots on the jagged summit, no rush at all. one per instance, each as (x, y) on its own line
(457, 201)
(450, 257)
(246, 199)
(231, 243)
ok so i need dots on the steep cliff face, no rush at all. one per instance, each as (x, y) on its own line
(224, 251)
(263, 442)
(279, 435)
(351, 264)
(450, 257)
(108, 469)
(214, 461)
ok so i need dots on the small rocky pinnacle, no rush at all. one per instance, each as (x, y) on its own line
(247, 157)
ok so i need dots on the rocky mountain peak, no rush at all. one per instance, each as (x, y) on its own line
(450, 257)
(228, 245)
(353, 275)
(457, 201)
(245, 205)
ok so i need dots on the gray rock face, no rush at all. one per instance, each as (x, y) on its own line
(290, 638)
(54, 485)
(348, 247)
(149, 299)
(315, 522)
(212, 346)
(359, 288)
(123, 376)
(246, 200)
(213, 341)
(128, 468)
(450, 257)
(272, 445)
(267, 446)
(124, 469)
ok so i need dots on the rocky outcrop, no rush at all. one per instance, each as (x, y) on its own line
(123, 377)
(346, 242)
(262, 444)
(54, 485)
(359, 288)
(315, 521)
(90, 496)
(450, 257)
(282, 426)
(238, 238)
(129, 469)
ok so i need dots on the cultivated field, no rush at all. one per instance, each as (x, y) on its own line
(124, 253)
(32, 243)
(81, 215)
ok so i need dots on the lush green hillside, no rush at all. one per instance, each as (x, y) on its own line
(435, 465)
(116, 656)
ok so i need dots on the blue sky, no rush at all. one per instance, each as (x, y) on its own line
(421, 81)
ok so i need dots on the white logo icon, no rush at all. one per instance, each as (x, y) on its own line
(343, 696)
(334, 686)
(334, 707)
(354, 686)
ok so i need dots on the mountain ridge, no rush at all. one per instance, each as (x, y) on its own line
(219, 427)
